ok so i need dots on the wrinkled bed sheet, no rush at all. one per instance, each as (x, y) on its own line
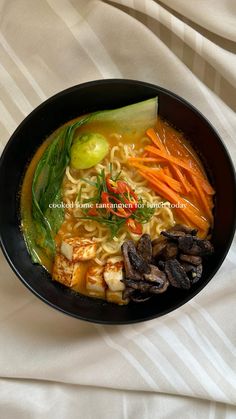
(183, 364)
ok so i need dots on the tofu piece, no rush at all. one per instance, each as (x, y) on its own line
(115, 297)
(113, 274)
(95, 283)
(78, 249)
(66, 272)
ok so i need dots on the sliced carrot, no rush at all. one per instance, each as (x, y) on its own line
(172, 159)
(181, 178)
(146, 159)
(178, 176)
(202, 197)
(174, 198)
(154, 137)
(167, 171)
(159, 174)
(207, 187)
(177, 149)
(183, 164)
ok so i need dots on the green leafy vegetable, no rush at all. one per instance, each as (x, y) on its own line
(47, 211)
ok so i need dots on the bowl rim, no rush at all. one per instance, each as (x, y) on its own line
(92, 83)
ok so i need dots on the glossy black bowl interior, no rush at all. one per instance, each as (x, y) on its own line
(78, 100)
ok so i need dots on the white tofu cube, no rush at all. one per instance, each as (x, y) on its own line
(115, 297)
(78, 249)
(95, 283)
(113, 275)
(66, 272)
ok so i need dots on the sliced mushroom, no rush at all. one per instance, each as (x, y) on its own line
(144, 247)
(155, 275)
(159, 290)
(170, 251)
(185, 229)
(165, 249)
(135, 295)
(158, 246)
(186, 243)
(130, 271)
(175, 258)
(195, 246)
(137, 261)
(159, 280)
(176, 274)
(173, 235)
(194, 272)
(146, 286)
(193, 260)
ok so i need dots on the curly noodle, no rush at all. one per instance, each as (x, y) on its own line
(74, 184)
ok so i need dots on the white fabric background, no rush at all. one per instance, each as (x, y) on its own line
(178, 366)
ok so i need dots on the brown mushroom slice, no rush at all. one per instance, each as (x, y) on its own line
(176, 274)
(142, 286)
(144, 247)
(193, 260)
(173, 235)
(159, 280)
(185, 229)
(155, 275)
(170, 251)
(194, 272)
(153, 287)
(186, 243)
(138, 263)
(158, 247)
(130, 271)
(159, 290)
(195, 246)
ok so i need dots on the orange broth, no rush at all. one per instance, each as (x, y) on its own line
(170, 138)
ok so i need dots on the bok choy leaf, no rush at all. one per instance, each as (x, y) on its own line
(136, 117)
(47, 211)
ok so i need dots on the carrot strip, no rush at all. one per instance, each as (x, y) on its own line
(203, 199)
(167, 171)
(154, 137)
(205, 184)
(146, 159)
(181, 177)
(174, 198)
(194, 208)
(172, 159)
(159, 174)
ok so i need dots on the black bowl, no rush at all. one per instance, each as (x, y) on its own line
(89, 97)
